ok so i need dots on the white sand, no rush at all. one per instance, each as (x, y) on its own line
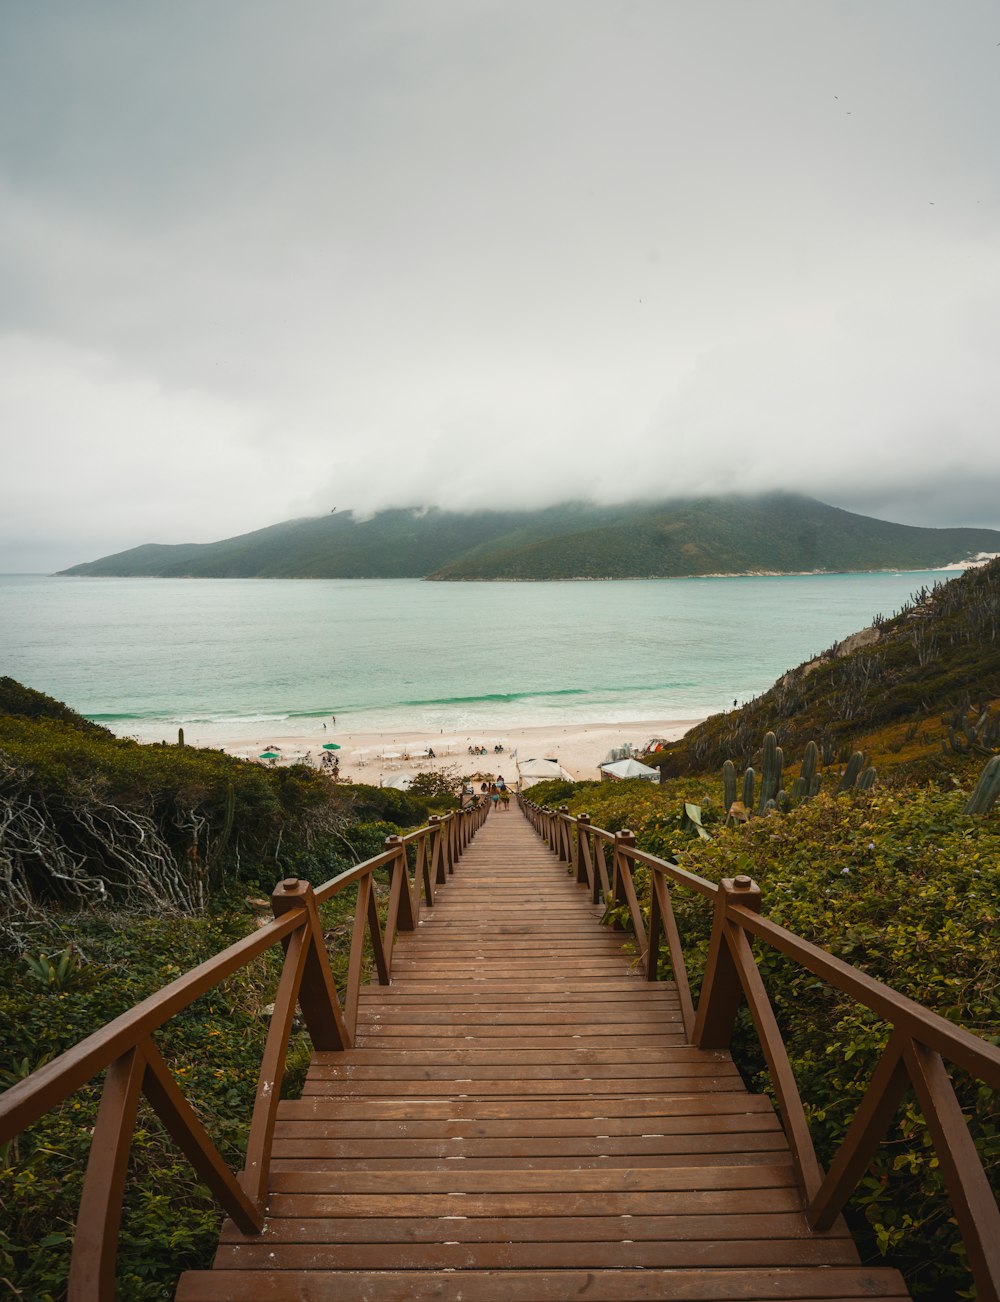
(371, 757)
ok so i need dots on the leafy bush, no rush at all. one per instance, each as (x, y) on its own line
(25, 702)
(439, 789)
(88, 818)
(213, 1047)
(901, 884)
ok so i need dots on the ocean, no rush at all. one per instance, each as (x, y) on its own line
(226, 658)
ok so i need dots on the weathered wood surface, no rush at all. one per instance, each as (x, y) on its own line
(523, 1119)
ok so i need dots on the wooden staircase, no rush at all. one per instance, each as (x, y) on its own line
(522, 1118)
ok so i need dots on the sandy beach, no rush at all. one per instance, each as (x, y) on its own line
(374, 757)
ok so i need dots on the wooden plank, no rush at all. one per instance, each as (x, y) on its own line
(494, 1088)
(407, 1057)
(548, 1229)
(655, 1105)
(642, 1037)
(734, 1156)
(457, 1256)
(633, 1202)
(556, 988)
(313, 1127)
(311, 1148)
(468, 1180)
(836, 1284)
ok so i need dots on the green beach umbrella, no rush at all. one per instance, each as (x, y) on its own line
(330, 745)
(270, 754)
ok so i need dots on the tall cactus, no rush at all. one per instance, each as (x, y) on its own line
(987, 789)
(728, 785)
(749, 780)
(855, 765)
(771, 777)
(180, 736)
(809, 771)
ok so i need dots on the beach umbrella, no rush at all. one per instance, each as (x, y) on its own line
(330, 745)
(270, 754)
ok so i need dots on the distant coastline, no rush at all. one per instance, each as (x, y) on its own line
(770, 535)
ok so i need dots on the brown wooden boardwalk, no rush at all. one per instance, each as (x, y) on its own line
(523, 1119)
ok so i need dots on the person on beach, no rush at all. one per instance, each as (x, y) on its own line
(505, 799)
(494, 796)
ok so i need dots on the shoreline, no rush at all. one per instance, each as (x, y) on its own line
(373, 757)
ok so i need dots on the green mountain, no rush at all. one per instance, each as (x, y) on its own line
(773, 533)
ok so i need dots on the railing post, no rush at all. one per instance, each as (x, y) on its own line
(619, 866)
(721, 989)
(92, 1269)
(399, 888)
(318, 1000)
(582, 849)
(563, 828)
(437, 857)
(625, 840)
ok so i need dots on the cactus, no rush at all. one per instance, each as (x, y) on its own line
(987, 789)
(728, 785)
(810, 760)
(851, 774)
(964, 738)
(180, 736)
(772, 795)
(749, 780)
(771, 779)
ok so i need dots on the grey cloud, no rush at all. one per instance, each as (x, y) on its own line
(258, 259)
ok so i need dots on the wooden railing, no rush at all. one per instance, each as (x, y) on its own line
(920, 1042)
(135, 1066)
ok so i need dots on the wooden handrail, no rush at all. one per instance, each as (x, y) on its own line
(921, 1042)
(135, 1066)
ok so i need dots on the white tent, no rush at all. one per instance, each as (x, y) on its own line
(400, 781)
(530, 771)
(629, 768)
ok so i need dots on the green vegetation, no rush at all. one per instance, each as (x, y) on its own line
(899, 875)
(89, 818)
(919, 692)
(124, 866)
(775, 533)
(213, 1048)
(904, 885)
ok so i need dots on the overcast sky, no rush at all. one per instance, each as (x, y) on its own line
(258, 260)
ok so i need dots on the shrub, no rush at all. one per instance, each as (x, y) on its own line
(903, 885)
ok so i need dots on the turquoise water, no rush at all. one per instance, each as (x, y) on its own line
(222, 657)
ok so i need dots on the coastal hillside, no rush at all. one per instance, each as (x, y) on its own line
(919, 689)
(777, 533)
